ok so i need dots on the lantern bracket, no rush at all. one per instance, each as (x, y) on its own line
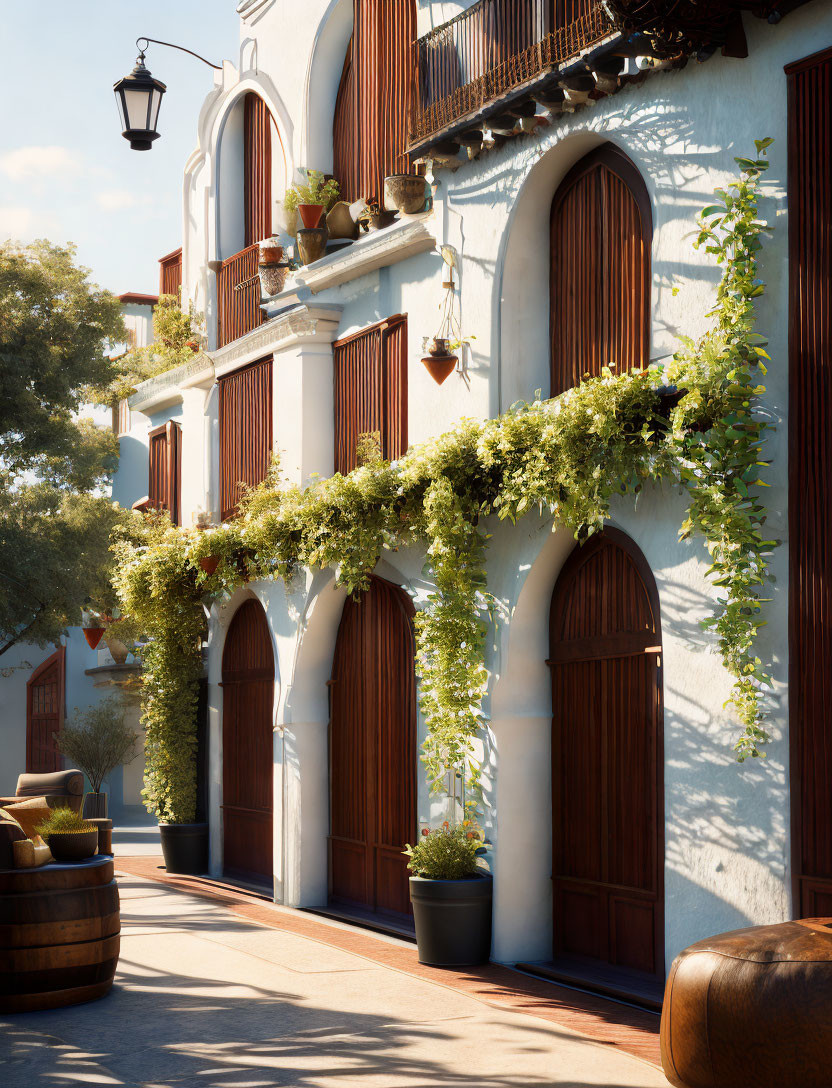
(170, 45)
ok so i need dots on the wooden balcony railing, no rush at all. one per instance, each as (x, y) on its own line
(492, 48)
(238, 296)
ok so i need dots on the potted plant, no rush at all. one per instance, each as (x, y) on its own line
(310, 199)
(406, 192)
(376, 218)
(451, 896)
(68, 836)
(97, 740)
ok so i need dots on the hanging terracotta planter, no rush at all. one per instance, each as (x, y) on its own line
(440, 367)
(310, 214)
(209, 563)
(93, 636)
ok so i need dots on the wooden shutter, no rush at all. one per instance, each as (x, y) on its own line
(371, 124)
(810, 479)
(170, 273)
(372, 744)
(258, 169)
(45, 714)
(248, 679)
(165, 470)
(371, 390)
(245, 431)
(607, 772)
(601, 231)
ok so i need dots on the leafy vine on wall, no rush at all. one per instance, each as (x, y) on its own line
(692, 421)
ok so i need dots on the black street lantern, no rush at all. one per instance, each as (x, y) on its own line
(139, 98)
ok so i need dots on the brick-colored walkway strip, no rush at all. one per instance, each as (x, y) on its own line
(615, 1025)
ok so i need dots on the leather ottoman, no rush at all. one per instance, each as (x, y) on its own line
(752, 1007)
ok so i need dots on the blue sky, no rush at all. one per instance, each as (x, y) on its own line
(66, 173)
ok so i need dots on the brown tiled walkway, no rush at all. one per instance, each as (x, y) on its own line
(614, 1025)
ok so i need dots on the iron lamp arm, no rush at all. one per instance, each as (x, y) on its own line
(170, 45)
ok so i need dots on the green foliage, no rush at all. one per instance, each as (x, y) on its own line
(566, 458)
(63, 821)
(97, 740)
(175, 331)
(446, 853)
(318, 189)
(54, 327)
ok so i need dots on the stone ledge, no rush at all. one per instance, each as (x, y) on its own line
(164, 388)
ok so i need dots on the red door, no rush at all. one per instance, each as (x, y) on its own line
(247, 745)
(372, 751)
(607, 782)
(45, 714)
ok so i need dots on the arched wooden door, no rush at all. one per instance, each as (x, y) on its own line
(607, 771)
(247, 745)
(45, 714)
(372, 751)
(601, 234)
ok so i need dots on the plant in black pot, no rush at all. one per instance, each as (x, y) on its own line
(451, 896)
(68, 835)
(97, 740)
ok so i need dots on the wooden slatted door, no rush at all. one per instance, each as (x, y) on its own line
(45, 714)
(605, 647)
(247, 745)
(372, 751)
(371, 390)
(601, 232)
(165, 470)
(810, 478)
(245, 431)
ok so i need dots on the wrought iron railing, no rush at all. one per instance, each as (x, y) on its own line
(493, 48)
(238, 296)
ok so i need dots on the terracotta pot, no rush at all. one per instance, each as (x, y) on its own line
(312, 243)
(310, 214)
(93, 636)
(209, 563)
(270, 255)
(340, 223)
(273, 278)
(118, 651)
(193, 345)
(407, 192)
(440, 367)
(439, 346)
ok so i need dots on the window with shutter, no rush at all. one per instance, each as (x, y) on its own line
(245, 432)
(372, 110)
(257, 137)
(45, 714)
(601, 233)
(164, 470)
(371, 390)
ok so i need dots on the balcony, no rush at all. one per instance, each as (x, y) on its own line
(491, 56)
(238, 296)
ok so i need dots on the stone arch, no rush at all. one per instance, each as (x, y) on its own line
(323, 76)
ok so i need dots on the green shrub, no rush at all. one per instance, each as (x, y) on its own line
(317, 190)
(446, 853)
(64, 821)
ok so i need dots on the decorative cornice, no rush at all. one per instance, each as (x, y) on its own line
(167, 387)
(249, 10)
(302, 324)
(405, 238)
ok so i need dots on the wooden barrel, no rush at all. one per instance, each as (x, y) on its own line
(59, 934)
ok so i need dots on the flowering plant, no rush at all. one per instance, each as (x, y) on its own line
(447, 853)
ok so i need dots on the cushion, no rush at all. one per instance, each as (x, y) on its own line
(58, 782)
(29, 814)
(30, 855)
(10, 833)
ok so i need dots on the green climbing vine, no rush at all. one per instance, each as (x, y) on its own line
(693, 420)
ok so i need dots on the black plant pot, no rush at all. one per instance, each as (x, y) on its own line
(185, 848)
(95, 806)
(453, 920)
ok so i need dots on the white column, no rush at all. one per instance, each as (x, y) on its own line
(304, 412)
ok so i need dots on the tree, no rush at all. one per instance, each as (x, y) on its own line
(55, 522)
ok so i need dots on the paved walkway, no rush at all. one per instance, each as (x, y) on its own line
(207, 997)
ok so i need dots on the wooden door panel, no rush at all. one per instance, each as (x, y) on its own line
(248, 755)
(605, 656)
(372, 748)
(45, 714)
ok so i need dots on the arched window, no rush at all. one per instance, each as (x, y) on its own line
(601, 233)
(45, 713)
(257, 137)
(370, 129)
